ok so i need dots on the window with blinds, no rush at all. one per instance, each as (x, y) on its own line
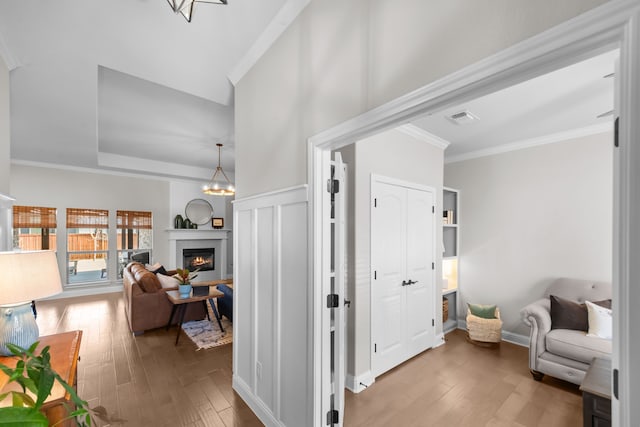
(34, 228)
(135, 236)
(87, 245)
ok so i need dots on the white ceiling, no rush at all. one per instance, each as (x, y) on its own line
(104, 78)
(128, 85)
(566, 101)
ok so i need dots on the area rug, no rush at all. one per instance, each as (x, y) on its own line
(206, 334)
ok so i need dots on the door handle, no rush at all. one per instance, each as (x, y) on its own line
(405, 283)
(347, 303)
(411, 282)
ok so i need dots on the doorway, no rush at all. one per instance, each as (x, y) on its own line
(572, 42)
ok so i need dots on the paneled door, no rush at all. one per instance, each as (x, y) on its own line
(402, 271)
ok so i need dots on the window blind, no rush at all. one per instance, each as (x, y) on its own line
(34, 217)
(87, 218)
(134, 220)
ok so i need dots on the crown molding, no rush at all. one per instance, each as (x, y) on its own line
(533, 142)
(422, 135)
(9, 59)
(285, 16)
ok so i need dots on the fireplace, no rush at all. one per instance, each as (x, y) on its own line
(201, 259)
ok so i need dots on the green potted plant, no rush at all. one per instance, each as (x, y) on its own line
(184, 277)
(36, 378)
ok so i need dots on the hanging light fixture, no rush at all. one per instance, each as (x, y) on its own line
(185, 7)
(217, 186)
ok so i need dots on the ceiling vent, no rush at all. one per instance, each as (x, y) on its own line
(462, 118)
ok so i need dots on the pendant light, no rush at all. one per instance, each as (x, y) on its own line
(185, 7)
(217, 186)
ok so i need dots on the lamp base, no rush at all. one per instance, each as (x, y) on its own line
(17, 326)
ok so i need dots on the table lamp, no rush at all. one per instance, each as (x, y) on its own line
(24, 277)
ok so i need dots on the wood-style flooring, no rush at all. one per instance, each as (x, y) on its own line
(147, 381)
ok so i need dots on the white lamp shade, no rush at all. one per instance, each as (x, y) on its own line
(27, 276)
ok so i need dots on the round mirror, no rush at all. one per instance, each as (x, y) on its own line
(199, 211)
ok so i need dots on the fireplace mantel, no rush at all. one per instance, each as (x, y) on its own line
(196, 234)
(178, 236)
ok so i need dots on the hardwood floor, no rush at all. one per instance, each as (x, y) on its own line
(147, 381)
(461, 384)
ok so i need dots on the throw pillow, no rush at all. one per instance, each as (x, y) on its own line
(148, 281)
(167, 282)
(567, 314)
(484, 311)
(600, 321)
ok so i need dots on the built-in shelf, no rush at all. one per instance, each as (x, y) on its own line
(450, 242)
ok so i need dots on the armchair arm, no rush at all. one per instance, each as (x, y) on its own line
(537, 315)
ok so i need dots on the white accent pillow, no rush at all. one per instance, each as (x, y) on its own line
(600, 321)
(167, 281)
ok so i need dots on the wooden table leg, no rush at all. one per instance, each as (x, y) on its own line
(183, 310)
(215, 313)
(173, 311)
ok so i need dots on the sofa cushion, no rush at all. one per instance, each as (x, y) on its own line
(147, 281)
(566, 314)
(577, 345)
(167, 282)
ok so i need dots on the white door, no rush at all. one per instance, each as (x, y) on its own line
(402, 272)
(339, 279)
(388, 296)
(420, 271)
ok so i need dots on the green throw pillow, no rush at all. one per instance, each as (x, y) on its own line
(484, 311)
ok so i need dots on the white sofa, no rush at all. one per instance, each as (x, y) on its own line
(564, 353)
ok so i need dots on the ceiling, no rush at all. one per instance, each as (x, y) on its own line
(128, 85)
(544, 109)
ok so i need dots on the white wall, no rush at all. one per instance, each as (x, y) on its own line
(343, 58)
(272, 352)
(5, 130)
(63, 189)
(396, 155)
(531, 215)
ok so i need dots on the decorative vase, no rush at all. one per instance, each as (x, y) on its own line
(17, 326)
(184, 290)
(178, 222)
(187, 223)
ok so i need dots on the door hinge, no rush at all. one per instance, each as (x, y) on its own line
(375, 348)
(433, 265)
(332, 301)
(332, 417)
(616, 143)
(433, 322)
(375, 275)
(615, 383)
(333, 186)
(375, 203)
(433, 209)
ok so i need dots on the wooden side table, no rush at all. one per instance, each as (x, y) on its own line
(64, 349)
(596, 394)
(180, 304)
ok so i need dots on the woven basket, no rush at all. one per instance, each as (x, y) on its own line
(445, 309)
(484, 330)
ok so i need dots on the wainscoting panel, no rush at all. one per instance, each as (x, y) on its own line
(272, 352)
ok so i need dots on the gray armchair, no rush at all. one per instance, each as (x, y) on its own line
(564, 353)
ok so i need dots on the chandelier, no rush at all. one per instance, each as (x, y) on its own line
(185, 7)
(218, 187)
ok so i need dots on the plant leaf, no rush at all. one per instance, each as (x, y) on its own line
(44, 386)
(22, 417)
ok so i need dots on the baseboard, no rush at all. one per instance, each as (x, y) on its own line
(257, 406)
(513, 338)
(81, 291)
(510, 337)
(359, 383)
(439, 340)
